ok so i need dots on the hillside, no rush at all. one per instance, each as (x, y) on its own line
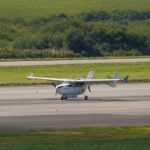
(76, 28)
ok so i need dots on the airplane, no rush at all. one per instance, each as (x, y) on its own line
(71, 88)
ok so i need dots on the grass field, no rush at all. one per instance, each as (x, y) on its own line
(74, 58)
(115, 138)
(35, 8)
(16, 75)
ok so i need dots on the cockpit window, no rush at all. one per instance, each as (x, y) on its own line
(75, 85)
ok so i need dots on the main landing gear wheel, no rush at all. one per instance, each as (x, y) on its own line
(86, 98)
(63, 98)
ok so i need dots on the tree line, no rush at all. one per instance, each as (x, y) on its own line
(99, 33)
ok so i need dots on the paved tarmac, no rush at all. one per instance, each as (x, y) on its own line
(57, 62)
(36, 107)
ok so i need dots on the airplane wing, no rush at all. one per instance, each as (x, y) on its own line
(31, 76)
(87, 81)
(48, 79)
(112, 81)
(95, 81)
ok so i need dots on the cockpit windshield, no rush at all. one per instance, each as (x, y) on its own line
(76, 84)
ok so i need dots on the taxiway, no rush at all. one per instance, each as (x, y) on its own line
(84, 61)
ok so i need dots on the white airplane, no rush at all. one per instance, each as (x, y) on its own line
(71, 88)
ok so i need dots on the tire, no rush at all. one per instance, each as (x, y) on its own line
(86, 98)
(65, 98)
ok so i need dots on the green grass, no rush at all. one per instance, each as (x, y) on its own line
(16, 75)
(114, 138)
(74, 58)
(34, 8)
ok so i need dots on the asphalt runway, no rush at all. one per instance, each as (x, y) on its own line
(58, 62)
(36, 107)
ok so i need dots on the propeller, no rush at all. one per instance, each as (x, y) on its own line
(56, 92)
(54, 85)
(89, 88)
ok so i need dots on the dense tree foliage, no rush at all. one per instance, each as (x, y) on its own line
(116, 15)
(101, 33)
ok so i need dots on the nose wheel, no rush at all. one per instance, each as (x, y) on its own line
(86, 97)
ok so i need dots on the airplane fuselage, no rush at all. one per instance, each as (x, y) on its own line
(71, 90)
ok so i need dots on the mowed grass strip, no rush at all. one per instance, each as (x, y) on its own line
(16, 75)
(35, 8)
(85, 138)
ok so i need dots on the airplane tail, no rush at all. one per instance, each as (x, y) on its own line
(30, 76)
(125, 79)
(114, 76)
(90, 75)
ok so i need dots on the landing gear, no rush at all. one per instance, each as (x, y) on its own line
(63, 98)
(86, 98)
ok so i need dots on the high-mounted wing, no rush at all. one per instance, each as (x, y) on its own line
(31, 76)
(95, 81)
(112, 81)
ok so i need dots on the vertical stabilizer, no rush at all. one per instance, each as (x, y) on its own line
(90, 75)
(114, 76)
